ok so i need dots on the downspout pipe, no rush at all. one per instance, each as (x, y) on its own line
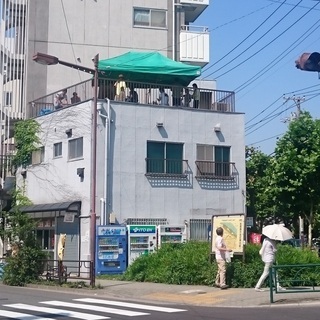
(106, 201)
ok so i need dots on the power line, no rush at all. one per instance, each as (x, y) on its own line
(247, 37)
(279, 58)
(266, 139)
(274, 39)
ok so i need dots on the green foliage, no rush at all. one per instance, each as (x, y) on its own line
(23, 266)
(26, 141)
(174, 264)
(258, 203)
(295, 172)
(189, 263)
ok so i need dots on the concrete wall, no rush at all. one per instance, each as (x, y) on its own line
(134, 195)
(76, 30)
(130, 193)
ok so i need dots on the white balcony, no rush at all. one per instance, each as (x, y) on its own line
(194, 45)
(193, 8)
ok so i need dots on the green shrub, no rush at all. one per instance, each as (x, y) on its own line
(25, 267)
(189, 263)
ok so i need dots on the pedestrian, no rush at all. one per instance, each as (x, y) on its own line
(268, 254)
(75, 98)
(221, 250)
(120, 86)
(196, 96)
(163, 97)
(60, 99)
(186, 98)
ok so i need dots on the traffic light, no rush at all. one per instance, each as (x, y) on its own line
(309, 62)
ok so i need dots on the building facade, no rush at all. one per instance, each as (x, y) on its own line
(155, 165)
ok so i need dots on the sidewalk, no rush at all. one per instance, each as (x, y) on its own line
(202, 295)
(192, 295)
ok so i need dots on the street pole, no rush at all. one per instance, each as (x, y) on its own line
(93, 215)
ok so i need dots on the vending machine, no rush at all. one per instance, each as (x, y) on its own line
(171, 234)
(141, 240)
(111, 249)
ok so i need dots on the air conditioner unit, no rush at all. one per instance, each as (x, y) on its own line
(221, 106)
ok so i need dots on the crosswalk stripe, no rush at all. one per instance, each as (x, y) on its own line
(60, 312)
(95, 308)
(20, 316)
(130, 305)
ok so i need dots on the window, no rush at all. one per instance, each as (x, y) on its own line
(38, 156)
(8, 99)
(57, 150)
(150, 18)
(164, 157)
(222, 161)
(205, 163)
(75, 148)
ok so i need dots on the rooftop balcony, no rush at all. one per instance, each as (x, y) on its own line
(193, 8)
(143, 93)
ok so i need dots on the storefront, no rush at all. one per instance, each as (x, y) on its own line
(54, 219)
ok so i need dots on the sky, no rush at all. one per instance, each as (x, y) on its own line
(253, 48)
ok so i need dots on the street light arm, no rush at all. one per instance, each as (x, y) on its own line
(49, 60)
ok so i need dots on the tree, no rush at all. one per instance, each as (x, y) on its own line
(295, 175)
(257, 164)
(25, 263)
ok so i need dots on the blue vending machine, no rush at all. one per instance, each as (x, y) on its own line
(111, 249)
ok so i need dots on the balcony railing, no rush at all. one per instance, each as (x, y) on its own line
(215, 170)
(194, 44)
(144, 93)
(166, 167)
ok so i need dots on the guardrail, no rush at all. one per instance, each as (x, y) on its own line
(301, 278)
(69, 269)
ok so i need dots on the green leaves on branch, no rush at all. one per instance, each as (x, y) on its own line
(26, 140)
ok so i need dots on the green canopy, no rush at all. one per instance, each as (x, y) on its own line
(148, 67)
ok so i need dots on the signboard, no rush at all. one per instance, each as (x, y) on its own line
(249, 222)
(233, 231)
(142, 229)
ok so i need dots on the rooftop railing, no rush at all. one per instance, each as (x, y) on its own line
(134, 93)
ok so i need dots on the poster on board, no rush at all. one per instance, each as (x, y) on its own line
(233, 231)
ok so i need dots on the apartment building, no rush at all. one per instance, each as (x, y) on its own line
(201, 170)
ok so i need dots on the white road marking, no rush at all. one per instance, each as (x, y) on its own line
(95, 308)
(20, 316)
(130, 305)
(60, 312)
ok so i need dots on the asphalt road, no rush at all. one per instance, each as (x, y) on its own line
(31, 304)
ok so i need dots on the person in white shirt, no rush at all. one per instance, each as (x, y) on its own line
(268, 253)
(163, 97)
(220, 252)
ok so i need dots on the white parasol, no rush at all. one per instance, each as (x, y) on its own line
(277, 232)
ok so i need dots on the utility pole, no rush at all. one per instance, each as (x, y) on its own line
(297, 101)
(296, 115)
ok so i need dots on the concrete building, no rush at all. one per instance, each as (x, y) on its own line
(201, 171)
(155, 165)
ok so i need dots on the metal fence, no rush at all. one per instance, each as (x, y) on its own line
(295, 278)
(69, 269)
(136, 92)
(200, 229)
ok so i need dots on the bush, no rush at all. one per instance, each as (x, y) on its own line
(189, 263)
(25, 267)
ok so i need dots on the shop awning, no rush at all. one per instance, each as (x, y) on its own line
(148, 67)
(72, 206)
